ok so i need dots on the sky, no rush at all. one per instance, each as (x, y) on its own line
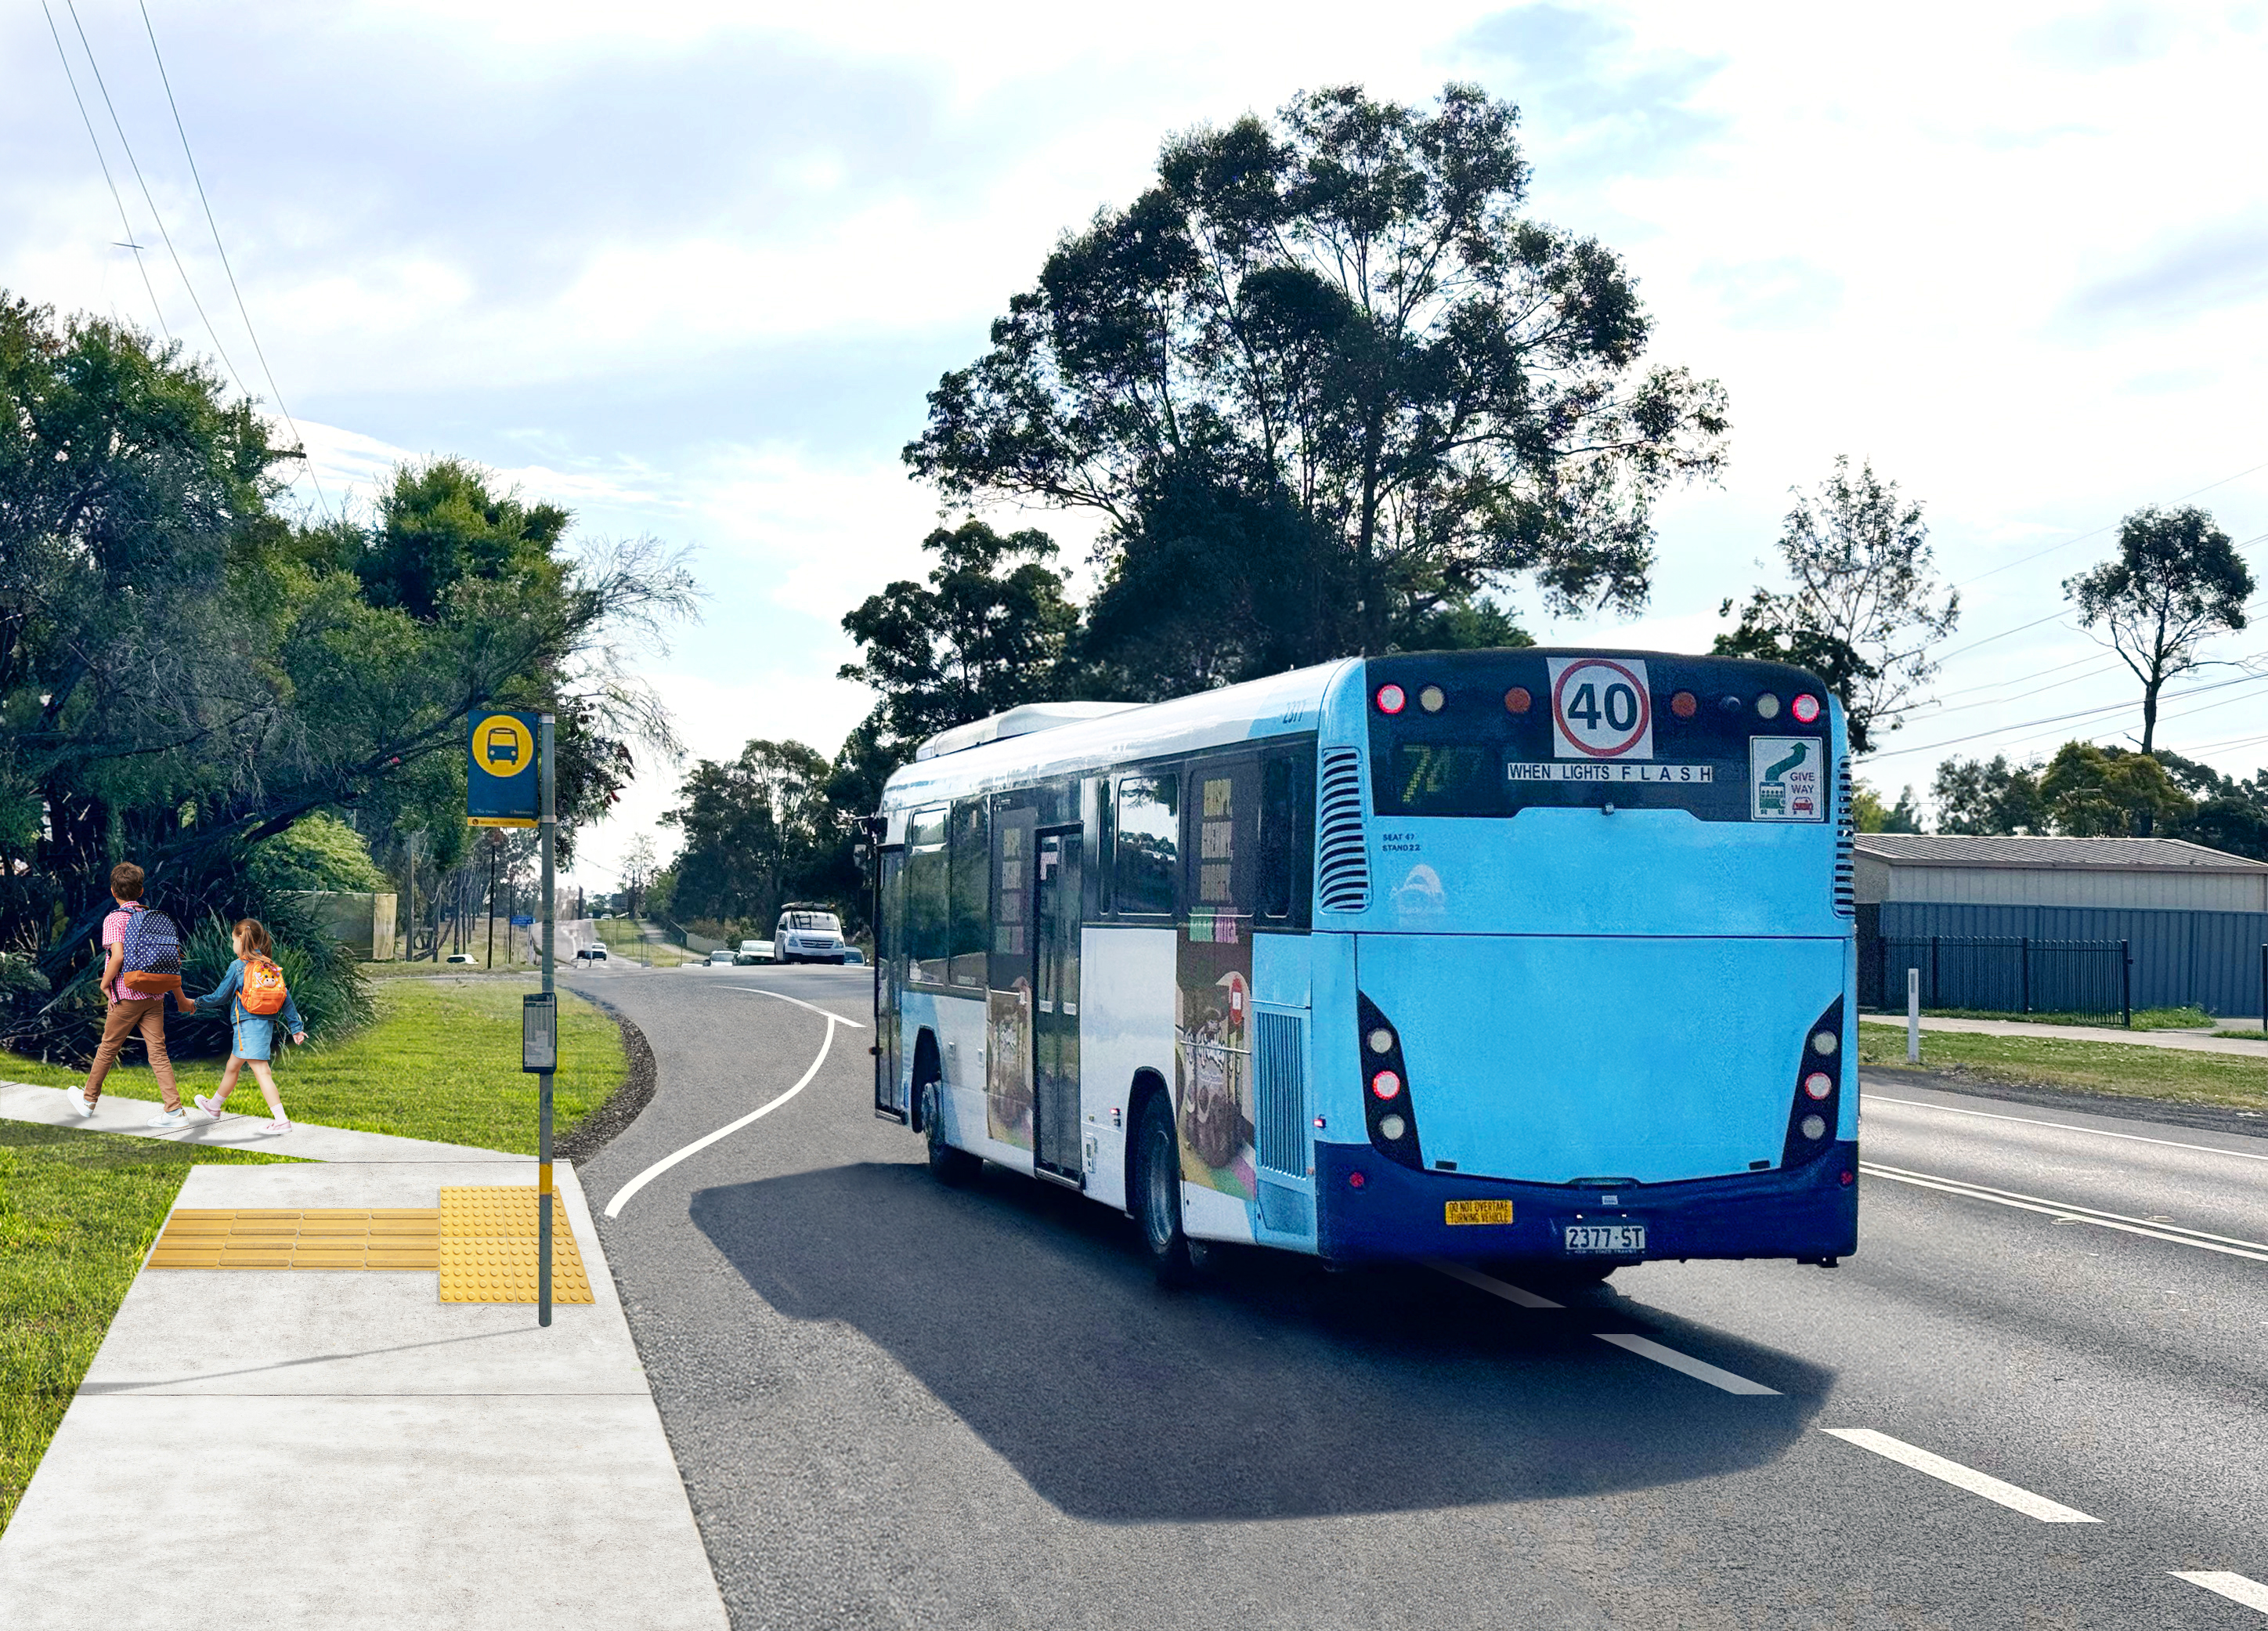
(689, 271)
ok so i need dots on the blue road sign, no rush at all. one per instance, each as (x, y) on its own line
(503, 786)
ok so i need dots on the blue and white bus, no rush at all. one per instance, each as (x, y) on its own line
(1540, 955)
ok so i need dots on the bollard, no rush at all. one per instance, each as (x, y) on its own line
(1913, 1016)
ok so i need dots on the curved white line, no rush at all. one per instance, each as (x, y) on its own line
(615, 1207)
(760, 992)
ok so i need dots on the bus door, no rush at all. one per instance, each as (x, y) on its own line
(1055, 1020)
(889, 981)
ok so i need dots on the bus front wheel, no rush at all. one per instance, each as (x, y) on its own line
(1157, 1196)
(953, 1167)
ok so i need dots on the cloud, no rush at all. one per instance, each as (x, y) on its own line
(1596, 100)
(1784, 292)
(2196, 274)
(2115, 37)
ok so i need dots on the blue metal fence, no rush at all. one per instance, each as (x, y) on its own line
(2081, 981)
(2210, 958)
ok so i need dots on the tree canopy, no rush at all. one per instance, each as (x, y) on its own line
(186, 669)
(1865, 608)
(759, 830)
(1399, 389)
(2175, 579)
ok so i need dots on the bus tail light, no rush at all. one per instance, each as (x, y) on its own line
(1816, 1107)
(1392, 700)
(1806, 710)
(1388, 1115)
(1684, 705)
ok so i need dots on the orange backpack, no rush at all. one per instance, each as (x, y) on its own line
(263, 990)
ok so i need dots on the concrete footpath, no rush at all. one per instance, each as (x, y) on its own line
(338, 1448)
(2179, 1041)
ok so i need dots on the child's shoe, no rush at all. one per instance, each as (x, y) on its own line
(275, 1126)
(83, 1104)
(212, 1107)
(167, 1118)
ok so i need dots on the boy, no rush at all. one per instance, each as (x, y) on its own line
(128, 1009)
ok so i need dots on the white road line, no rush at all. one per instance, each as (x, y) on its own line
(800, 1003)
(1645, 1348)
(2226, 1245)
(1489, 1283)
(2234, 1587)
(615, 1207)
(1698, 1369)
(2065, 1127)
(1964, 1478)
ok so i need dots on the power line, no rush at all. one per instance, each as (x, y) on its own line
(72, 79)
(2099, 531)
(2059, 718)
(267, 373)
(72, 7)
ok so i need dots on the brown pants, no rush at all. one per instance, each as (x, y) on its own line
(149, 1015)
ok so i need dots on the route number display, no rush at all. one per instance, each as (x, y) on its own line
(1600, 708)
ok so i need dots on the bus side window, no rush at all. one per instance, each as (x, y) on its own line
(972, 871)
(1284, 837)
(1146, 845)
(1223, 818)
(928, 929)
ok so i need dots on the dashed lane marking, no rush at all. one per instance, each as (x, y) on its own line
(1685, 1364)
(1494, 1287)
(622, 1195)
(1645, 1348)
(2064, 1212)
(2234, 1587)
(1953, 1472)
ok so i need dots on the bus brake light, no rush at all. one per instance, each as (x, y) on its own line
(1806, 709)
(1819, 1084)
(1386, 1084)
(1391, 699)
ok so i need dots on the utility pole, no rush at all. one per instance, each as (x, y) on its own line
(409, 937)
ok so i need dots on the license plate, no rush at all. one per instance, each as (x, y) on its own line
(1620, 1238)
(1477, 1212)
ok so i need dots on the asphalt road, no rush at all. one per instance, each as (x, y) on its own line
(896, 1404)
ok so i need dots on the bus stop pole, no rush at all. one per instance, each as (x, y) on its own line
(1913, 1016)
(550, 823)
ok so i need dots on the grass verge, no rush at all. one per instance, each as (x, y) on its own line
(2122, 1069)
(625, 941)
(78, 1213)
(442, 1061)
(2145, 1019)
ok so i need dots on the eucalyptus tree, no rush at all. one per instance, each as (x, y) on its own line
(1342, 317)
(2176, 580)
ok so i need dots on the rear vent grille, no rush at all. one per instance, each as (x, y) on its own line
(1342, 855)
(1846, 894)
(1279, 1120)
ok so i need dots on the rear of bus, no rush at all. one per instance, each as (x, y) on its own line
(1584, 934)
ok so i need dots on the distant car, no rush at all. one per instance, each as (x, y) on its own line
(462, 956)
(591, 954)
(754, 951)
(721, 958)
(852, 954)
(808, 934)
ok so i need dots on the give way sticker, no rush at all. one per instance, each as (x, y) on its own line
(1600, 708)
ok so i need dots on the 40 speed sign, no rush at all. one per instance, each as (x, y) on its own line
(1600, 708)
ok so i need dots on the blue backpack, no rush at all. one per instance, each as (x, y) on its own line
(152, 953)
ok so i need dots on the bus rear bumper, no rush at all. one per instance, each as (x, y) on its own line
(1369, 1208)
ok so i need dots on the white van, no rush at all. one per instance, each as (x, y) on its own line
(807, 933)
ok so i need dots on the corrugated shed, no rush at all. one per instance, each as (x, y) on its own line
(1946, 849)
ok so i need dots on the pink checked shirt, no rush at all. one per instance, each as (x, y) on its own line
(114, 933)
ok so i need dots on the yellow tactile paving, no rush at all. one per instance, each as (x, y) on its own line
(482, 1240)
(333, 1238)
(487, 1248)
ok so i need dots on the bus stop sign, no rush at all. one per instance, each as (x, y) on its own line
(502, 785)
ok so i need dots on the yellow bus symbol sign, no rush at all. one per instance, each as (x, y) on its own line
(503, 746)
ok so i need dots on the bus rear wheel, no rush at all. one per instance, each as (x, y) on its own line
(953, 1168)
(1176, 1259)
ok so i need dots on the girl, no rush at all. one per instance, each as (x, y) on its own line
(255, 1033)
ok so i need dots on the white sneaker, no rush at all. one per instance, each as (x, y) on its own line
(272, 1127)
(167, 1118)
(212, 1107)
(82, 1103)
